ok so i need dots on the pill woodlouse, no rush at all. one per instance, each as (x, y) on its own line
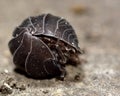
(43, 45)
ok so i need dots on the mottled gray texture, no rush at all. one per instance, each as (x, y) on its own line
(98, 33)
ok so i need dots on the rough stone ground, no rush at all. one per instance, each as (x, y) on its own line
(98, 33)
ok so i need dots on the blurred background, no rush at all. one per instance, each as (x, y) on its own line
(97, 26)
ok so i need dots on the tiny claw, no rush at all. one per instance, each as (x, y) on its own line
(63, 74)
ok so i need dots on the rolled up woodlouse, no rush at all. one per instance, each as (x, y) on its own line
(43, 45)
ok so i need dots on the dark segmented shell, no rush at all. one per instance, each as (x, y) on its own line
(38, 58)
(51, 26)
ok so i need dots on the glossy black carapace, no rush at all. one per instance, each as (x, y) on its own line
(43, 45)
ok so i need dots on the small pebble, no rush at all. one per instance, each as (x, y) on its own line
(45, 91)
(21, 87)
(6, 89)
(77, 77)
(16, 85)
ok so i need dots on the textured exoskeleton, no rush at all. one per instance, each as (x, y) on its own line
(43, 45)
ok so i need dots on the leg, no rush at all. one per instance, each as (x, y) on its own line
(63, 73)
(61, 55)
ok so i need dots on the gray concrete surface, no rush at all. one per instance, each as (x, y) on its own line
(98, 31)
